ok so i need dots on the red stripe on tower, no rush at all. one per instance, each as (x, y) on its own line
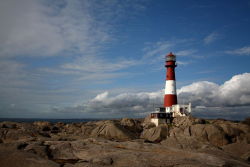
(170, 97)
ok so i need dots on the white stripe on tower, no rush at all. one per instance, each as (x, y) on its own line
(170, 87)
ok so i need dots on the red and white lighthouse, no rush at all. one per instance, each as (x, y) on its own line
(170, 97)
(171, 109)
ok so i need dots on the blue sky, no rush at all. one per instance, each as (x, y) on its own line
(102, 59)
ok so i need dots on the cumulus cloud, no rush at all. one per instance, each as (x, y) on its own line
(241, 51)
(208, 97)
(234, 92)
(199, 93)
(124, 104)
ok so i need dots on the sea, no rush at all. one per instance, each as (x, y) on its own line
(49, 120)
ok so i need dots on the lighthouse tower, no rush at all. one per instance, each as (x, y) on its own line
(170, 97)
(171, 108)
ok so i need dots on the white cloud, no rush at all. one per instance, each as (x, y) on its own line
(226, 97)
(75, 29)
(234, 92)
(241, 51)
(124, 104)
(199, 93)
(59, 27)
(211, 38)
(34, 28)
(92, 68)
(101, 97)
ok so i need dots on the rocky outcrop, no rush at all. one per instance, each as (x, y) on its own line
(155, 134)
(112, 130)
(16, 158)
(217, 133)
(211, 133)
(9, 125)
(241, 150)
(14, 135)
(236, 132)
(61, 151)
(132, 125)
(36, 148)
(187, 121)
(147, 124)
(127, 142)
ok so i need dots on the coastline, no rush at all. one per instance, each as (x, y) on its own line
(188, 141)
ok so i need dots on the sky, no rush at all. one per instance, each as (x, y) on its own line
(105, 58)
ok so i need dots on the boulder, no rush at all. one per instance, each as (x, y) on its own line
(132, 125)
(128, 122)
(181, 138)
(213, 134)
(155, 134)
(187, 121)
(112, 130)
(208, 132)
(61, 150)
(147, 124)
(232, 133)
(238, 150)
(236, 132)
(14, 135)
(37, 148)
(86, 129)
(72, 128)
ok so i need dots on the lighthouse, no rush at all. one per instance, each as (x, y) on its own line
(171, 108)
(170, 97)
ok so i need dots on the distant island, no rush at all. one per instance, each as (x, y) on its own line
(186, 142)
